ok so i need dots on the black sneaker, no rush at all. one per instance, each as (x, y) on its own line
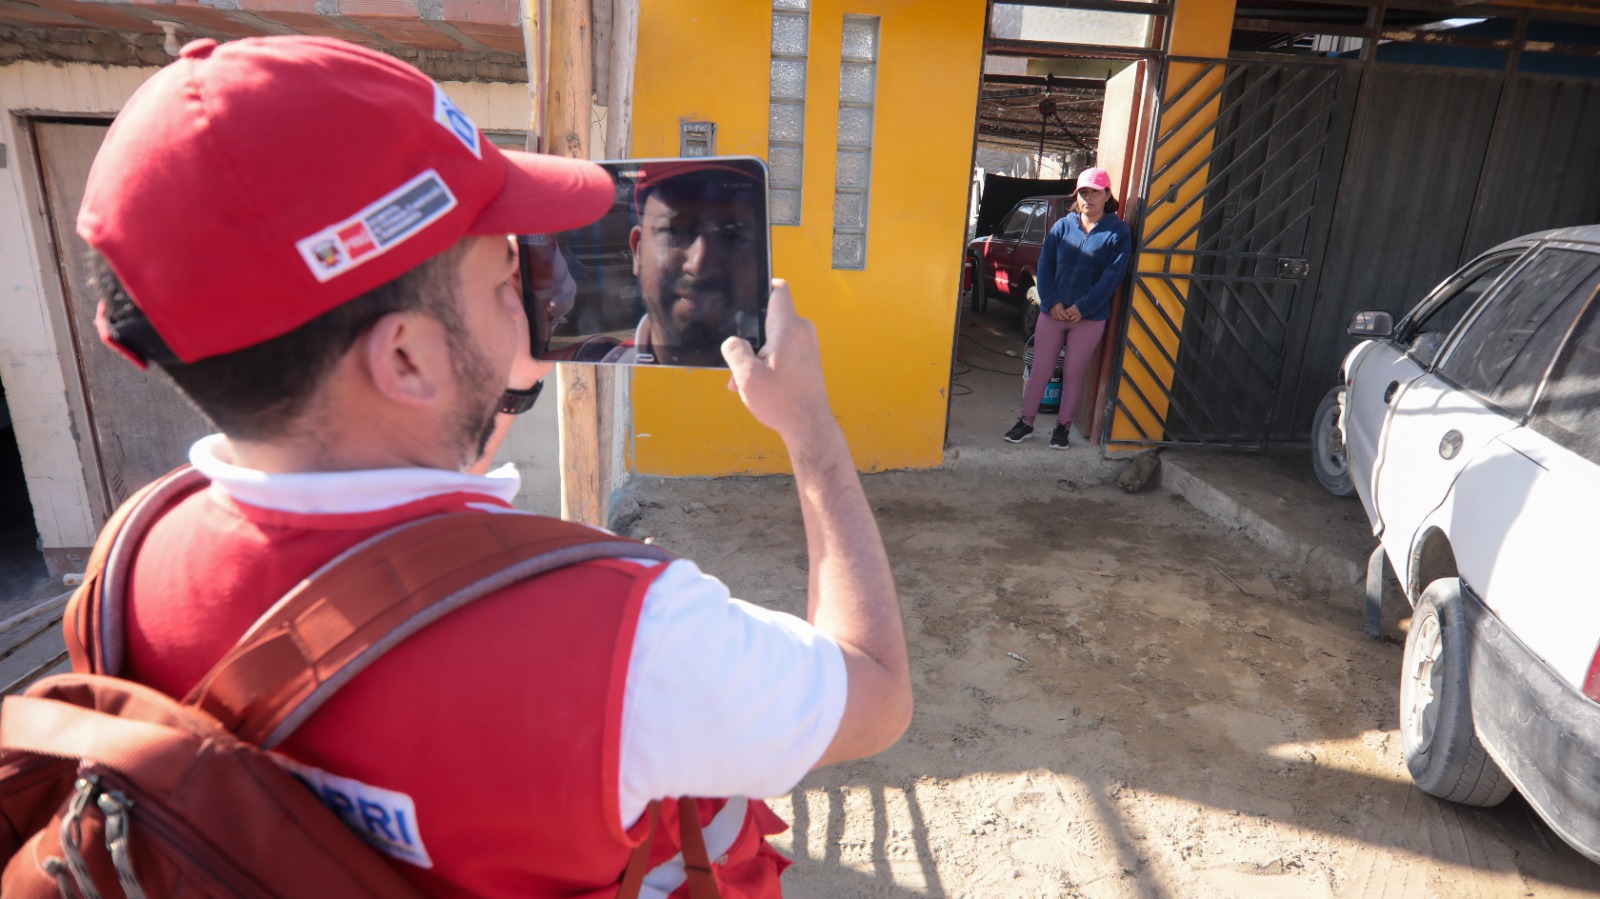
(1058, 437)
(1019, 432)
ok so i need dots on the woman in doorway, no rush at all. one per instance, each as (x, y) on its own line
(1084, 258)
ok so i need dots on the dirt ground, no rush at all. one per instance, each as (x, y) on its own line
(1116, 697)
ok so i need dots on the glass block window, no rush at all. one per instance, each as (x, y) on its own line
(858, 88)
(786, 124)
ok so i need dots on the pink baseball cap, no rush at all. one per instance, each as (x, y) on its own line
(1097, 178)
(251, 186)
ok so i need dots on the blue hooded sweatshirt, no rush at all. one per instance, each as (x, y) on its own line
(1083, 269)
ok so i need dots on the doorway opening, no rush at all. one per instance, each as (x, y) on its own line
(1064, 89)
(23, 574)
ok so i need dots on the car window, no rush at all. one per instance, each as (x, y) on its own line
(1440, 313)
(1038, 223)
(1017, 222)
(1503, 354)
(1567, 411)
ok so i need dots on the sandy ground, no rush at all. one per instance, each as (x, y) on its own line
(1116, 696)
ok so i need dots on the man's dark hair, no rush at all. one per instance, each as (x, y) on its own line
(259, 391)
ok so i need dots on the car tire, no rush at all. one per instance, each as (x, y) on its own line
(1030, 311)
(1328, 457)
(978, 297)
(1442, 750)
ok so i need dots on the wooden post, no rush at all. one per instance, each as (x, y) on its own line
(619, 98)
(562, 38)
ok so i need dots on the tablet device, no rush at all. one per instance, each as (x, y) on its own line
(681, 262)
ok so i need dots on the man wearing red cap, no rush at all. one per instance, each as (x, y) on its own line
(311, 240)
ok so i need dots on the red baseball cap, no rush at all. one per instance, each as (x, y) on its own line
(655, 173)
(251, 186)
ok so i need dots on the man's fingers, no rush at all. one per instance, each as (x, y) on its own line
(740, 358)
(780, 306)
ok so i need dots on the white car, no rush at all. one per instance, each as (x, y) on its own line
(1470, 430)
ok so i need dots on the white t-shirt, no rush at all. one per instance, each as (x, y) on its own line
(723, 698)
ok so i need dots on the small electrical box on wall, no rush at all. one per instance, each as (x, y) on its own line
(697, 138)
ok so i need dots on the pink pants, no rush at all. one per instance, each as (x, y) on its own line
(1081, 337)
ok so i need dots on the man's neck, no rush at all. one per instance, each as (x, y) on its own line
(378, 447)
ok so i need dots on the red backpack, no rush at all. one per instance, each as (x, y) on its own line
(110, 788)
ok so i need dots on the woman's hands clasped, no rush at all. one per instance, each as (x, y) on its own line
(1068, 314)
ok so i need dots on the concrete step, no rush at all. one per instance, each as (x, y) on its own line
(1274, 499)
(31, 643)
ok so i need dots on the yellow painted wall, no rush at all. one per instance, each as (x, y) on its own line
(886, 330)
(1200, 28)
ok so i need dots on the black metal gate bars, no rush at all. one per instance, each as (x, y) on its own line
(1246, 156)
(1284, 193)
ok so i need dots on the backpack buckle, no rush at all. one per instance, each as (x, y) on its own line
(114, 804)
(71, 836)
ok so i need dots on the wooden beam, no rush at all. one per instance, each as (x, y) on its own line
(533, 22)
(619, 102)
(585, 391)
(601, 13)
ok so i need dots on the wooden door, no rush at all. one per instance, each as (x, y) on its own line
(139, 427)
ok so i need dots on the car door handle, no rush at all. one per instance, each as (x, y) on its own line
(1450, 444)
(1388, 392)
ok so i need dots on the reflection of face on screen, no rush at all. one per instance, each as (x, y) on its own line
(697, 256)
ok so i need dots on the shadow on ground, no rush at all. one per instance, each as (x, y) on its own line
(1117, 696)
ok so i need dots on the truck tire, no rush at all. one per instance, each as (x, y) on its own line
(1328, 457)
(1442, 750)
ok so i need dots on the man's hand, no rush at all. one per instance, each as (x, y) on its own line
(782, 385)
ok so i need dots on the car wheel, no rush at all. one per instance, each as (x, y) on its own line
(978, 299)
(1442, 750)
(1030, 311)
(1328, 458)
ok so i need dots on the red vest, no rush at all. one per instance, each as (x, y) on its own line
(500, 723)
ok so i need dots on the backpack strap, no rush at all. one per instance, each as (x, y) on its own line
(696, 864)
(639, 861)
(360, 605)
(92, 623)
(692, 844)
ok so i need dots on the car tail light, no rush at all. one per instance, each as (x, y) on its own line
(1591, 682)
(966, 274)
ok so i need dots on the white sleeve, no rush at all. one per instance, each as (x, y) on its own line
(723, 698)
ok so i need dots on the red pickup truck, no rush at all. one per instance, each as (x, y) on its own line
(1002, 266)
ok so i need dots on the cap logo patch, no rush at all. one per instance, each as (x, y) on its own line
(378, 228)
(446, 113)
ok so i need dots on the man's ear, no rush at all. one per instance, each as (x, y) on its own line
(407, 357)
(633, 247)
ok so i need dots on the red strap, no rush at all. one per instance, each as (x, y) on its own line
(639, 861)
(344, 617)
(82, 622)
(692, 839)
(161, 753)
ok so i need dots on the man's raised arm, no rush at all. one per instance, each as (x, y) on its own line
(852, 593)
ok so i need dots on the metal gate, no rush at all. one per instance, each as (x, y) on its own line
(1246, 159)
